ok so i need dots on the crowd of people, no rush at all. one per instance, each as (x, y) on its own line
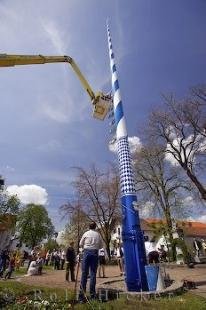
(34, 261)
(92, 256)
(67, 258)
(11, 260)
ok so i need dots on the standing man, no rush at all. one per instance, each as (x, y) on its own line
(90, 242)
(70, 262)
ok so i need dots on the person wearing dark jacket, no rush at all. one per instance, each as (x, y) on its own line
(70, 262)
(11, 267)
(4, 258)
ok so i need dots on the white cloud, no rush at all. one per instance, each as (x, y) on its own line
(58, 113)
(147, 210)
(54, 35)
(9, 168)
(29, 193)
(201, 219)
(113, 146)
(188, 201)
(201, 144)
(60, 107)
(134, 145)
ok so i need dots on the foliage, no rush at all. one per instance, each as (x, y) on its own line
(159, 229)
(34, 225)
(21, 296)
(9, 208)
(51, 244)
(9, 204)
(180, 243)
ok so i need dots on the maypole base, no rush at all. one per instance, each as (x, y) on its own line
(154, 278)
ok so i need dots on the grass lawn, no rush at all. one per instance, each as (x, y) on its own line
(59, 299)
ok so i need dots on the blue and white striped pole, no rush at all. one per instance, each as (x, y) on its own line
(132, 236)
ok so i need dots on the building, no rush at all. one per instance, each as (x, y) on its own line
(194, 234)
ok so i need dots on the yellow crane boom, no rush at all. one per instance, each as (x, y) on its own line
(100, 101)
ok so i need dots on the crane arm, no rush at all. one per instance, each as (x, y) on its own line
(17, 60)
(100, 101)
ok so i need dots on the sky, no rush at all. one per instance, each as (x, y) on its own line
(46, 116)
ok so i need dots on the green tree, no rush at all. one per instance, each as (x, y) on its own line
(9, 204)
(9, 208)
(34, 224)
(51, 244)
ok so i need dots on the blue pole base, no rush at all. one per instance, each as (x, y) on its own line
(133, 244)
(154, 278)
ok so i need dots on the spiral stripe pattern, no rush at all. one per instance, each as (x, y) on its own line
(132, 236)
(127, 185)
(118, 108)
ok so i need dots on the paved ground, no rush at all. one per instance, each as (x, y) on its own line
(56, 278)
(196, 274)
(200, 291)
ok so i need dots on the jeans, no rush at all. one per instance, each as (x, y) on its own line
(89, 263)
(2, 267)
(70, 266)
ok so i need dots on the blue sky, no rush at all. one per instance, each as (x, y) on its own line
(46, 121)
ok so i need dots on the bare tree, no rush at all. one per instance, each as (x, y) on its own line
(180, 128)
(160, 184)
(77, 224)
(98, 193)
(196, 109)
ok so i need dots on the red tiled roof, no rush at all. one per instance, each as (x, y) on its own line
(190, 228)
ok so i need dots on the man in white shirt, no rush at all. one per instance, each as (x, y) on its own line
(90, 242)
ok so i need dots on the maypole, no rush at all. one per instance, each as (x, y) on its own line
(132, 236)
